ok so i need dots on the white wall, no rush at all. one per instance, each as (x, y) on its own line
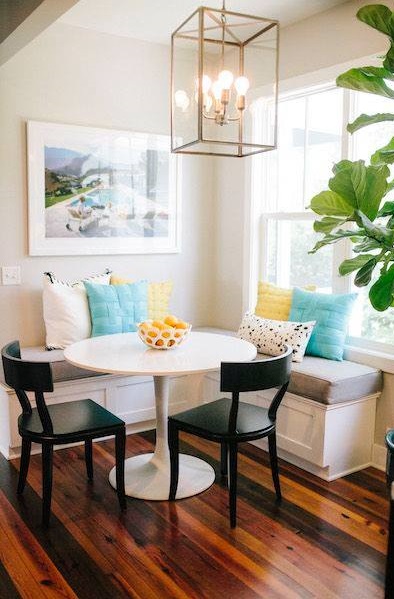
(77, 76)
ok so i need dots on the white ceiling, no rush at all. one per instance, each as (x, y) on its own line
(154, 20)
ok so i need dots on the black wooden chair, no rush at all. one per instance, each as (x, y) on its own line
(389, 592)
(229, 421)
(82, 420)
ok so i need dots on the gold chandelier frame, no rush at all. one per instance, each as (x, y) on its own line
(199, 36)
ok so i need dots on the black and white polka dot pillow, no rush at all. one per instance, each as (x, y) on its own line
(271, 336)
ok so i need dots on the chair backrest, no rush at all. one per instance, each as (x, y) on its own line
(239, 377)
(25, 376)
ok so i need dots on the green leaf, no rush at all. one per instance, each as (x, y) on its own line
(376, 16)
(366, 246)
(363, 80)
(383, 235)
(390, 186)
(329, 203)
(332, 238)
(388, 62)
(381, 292)
(360, 186)
(353, 264)
(384, 155)
(364, 120)
(375, 189)
(377, 72)
(327, 224)
(358, 178)
(364, 275)
(387, 209)
(342, 164)
(343, 185)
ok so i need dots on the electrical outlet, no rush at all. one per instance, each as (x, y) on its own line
(11, 275)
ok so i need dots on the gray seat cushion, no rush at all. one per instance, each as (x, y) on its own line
(327, 381)
(331, 382)
(61, 369)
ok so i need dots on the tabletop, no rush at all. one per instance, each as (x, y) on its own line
(125, 353)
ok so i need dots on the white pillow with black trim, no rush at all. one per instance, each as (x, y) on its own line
(66, 309)
(271, 336)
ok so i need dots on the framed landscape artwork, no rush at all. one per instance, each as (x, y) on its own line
(101, 191)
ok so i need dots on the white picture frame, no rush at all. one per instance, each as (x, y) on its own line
(101, 191)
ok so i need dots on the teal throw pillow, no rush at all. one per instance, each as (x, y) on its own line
(331, 313)
(117, 308)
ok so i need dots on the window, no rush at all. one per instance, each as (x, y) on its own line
(367, 323)
(312, 136)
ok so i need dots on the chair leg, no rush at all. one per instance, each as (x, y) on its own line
(47, 463)
(24, 465)
(223, 458)
(120, 448)
(233, 453)
(173, 444)
(274, 464)
(89, 458)
(389, 586)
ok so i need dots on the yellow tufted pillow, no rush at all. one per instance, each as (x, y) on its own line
(158, 296)
(275, 302)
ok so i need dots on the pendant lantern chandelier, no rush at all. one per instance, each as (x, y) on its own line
(224, 84)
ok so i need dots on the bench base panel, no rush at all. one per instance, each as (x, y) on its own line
(329, 441)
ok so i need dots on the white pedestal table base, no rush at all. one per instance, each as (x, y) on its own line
(146, 480)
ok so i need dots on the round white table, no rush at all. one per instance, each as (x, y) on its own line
(147, 476)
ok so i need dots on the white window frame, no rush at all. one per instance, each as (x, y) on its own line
(255, 223)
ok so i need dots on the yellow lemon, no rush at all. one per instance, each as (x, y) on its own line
(159, 324)
(181, 325)
(159, 343)
(152, 334)
(171, 320)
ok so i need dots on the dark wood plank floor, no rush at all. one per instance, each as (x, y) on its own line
(326, 540)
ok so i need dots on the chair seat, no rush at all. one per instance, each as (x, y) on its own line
(73, 419)
(213, 418)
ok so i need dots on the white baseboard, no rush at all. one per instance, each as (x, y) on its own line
(379, 454)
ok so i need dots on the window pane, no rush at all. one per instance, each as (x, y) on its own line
(368, 140)
(324, 141)
(290, 155)
(369, 324)
(288, 261)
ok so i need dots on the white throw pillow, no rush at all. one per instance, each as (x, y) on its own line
(271, 336)
(66, 310)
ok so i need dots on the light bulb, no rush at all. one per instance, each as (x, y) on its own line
(206, 84)
(181, 99)
(217, 90)
(242, 85)
(208, 102)
(226, 78)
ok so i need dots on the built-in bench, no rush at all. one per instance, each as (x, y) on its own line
(326, 422)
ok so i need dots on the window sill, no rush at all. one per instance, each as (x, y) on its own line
(370, 357)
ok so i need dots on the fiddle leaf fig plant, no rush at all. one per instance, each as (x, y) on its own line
(356, 206)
